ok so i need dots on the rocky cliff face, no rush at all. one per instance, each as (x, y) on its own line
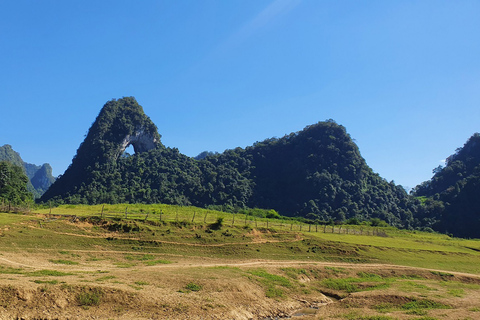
(43, 178)
(141, 141)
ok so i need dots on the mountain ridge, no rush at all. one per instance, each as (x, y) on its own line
(317, 172)
(40, 178)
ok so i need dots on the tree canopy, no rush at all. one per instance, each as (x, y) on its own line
(13, 184)
(452, 194)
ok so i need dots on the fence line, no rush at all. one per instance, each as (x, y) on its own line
(230, 220)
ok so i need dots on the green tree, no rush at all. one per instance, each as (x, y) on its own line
(13, 184)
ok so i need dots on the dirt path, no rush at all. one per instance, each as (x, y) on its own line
(195, 262)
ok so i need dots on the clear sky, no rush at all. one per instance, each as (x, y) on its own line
(403, 77)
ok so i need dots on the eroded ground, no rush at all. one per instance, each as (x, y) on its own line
(72, 269)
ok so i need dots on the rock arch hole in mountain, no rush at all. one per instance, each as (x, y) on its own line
(138, 142)
(129, 151)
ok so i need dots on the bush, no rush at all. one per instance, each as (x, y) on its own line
(193, 287)
(217, 225)
(89, 298)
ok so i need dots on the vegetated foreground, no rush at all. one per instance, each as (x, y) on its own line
(185, 264)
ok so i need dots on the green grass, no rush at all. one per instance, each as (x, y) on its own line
(193, 287)
(271, 278)
(10, 270)
(294, 273)
(424, 304)
(336, 270)
(364, 282)
(175, 233)
(155, 262)
(61, 261)
(48, 273)
(340, 284)
(459, 293)
(105, 278)
(271, 282)
(355, 316)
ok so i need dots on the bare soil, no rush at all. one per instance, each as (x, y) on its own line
(100, 287)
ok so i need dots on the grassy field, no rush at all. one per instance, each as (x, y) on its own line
(164, 223)
(160, 261)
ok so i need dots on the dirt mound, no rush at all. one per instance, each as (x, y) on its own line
(62, 302)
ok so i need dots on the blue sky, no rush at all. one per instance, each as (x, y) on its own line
(402, 76)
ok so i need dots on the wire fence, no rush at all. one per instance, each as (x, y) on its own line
(207, 217)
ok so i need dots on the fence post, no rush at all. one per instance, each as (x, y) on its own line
(233, 219)
(309, 227)
(193, 216)
(126, 212)
(161, 212)
(101, 215)
(205, 218)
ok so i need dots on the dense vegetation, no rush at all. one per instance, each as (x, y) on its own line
(453, 193)
(13, 185)
(316, 173)
(40, 178)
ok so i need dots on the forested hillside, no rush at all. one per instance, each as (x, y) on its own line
(316, 173)
(40, 178)
(454, 192)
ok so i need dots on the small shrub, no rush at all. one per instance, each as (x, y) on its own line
(217, 225)
(89, 298)
(193, 287)
(227, 233)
